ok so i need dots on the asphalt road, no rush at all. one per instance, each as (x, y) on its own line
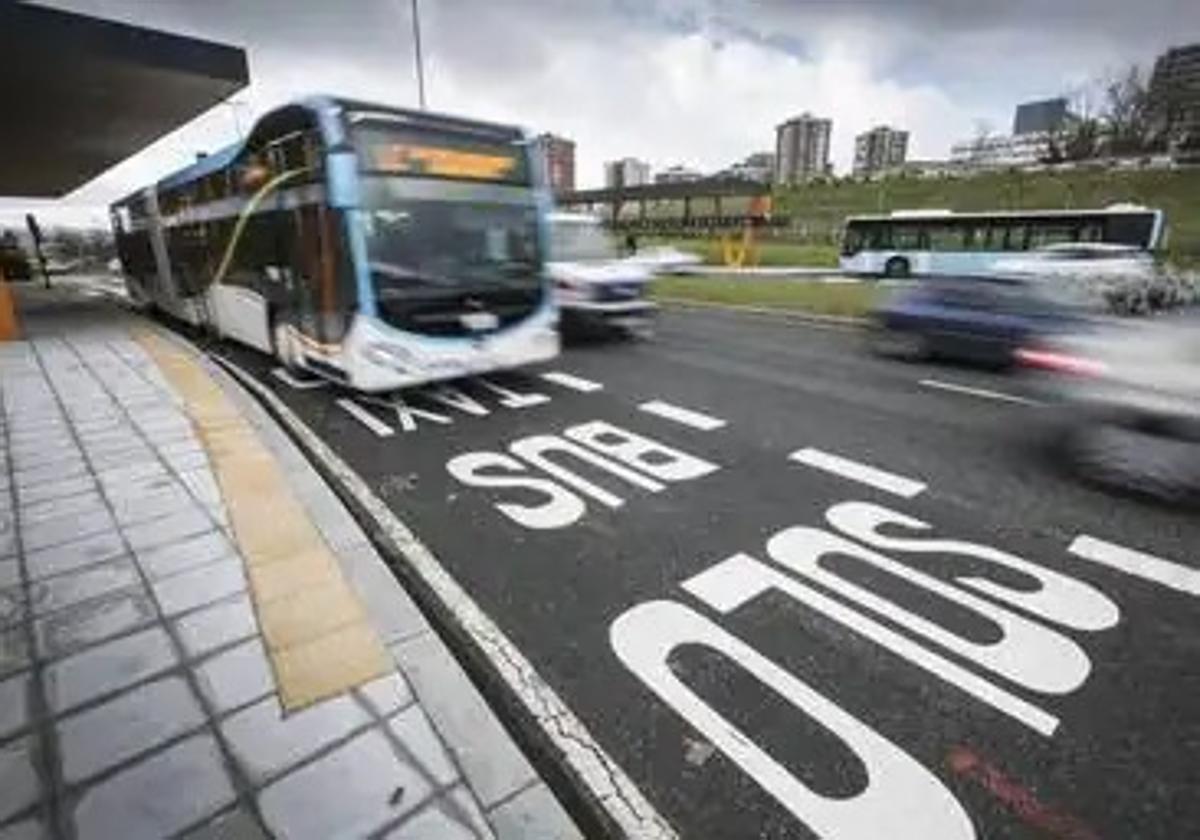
(972, 678)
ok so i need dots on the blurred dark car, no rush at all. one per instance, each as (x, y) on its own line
(1126, 399)
(984, 320)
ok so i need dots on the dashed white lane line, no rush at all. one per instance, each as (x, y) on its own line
(287, 378)
(856, 471)
(695, 419)
(984, 393)
(575, 383)
(1137, 563)
(366, 418)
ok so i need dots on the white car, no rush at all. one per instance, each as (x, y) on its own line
(594, 285)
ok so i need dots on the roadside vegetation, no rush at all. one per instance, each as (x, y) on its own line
(818, 298)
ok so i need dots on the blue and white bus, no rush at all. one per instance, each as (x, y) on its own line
(942, 242)
(378, 247)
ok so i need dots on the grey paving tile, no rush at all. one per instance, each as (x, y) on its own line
(12, 606)
(199, 586)
(419, 744)
(65, 529)
(8, 543)
(494, 767)
(145, 800)
(14, 650)
(10, 572)
(452, 816)
(57, 489)
(31, 829)
(365, 773)
(236, 677)
(221, 624)
(19, 786)
(198, 550)
(119, 476)
(387, 694)
(265, 742)
(107, 459)
(50, 472)
(201, 484)
(186, 460)
(153, 506)
(37, 456)
(69, 588)
(168, 529)
(131, 723)
(65, 632)
(107, 667)
(14, 704)
(138, 488)
(533, 814)
(237, 824)
(79, 504)
(68, 557)
(393, 614)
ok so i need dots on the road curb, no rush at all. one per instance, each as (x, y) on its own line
(592, 786)
(843, 321)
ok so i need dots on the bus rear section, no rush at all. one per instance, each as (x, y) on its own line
(376, 247)
(907, 243)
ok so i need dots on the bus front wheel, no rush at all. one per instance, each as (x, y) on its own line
(897, 267)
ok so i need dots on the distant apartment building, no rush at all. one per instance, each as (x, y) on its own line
(558, 155)
(626, 172)
(1040, 117)
(1001, 152)
(802, 148)
(1174, 96)
(879, 150)
(678, 175)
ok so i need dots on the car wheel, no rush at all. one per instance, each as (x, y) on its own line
(897, 267)
(1123, 458)
(899, 344)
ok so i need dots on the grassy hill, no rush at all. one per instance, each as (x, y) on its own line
(818, 210)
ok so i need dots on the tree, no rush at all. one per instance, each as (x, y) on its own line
(1125, 114)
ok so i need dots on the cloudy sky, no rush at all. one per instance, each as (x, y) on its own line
(698, 82)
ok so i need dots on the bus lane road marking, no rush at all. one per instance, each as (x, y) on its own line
(1137, 563)
(685, 416)
(365, 417)
(575, 383)
(982, 393)
(889, 482)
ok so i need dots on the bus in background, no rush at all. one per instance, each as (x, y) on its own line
(908, 242)
(378, 247)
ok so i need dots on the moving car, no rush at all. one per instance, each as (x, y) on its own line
(594, 285)
(977, 319)
(1128, 402)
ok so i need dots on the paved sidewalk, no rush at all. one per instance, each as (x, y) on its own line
(138, 693)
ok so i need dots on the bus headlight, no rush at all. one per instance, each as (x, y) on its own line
(389, 355)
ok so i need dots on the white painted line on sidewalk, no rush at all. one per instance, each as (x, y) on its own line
(285, 376)
(856, 471)
(575, 383)
(366, 418)
(984, 393)
(695, 419)
(1137, 563)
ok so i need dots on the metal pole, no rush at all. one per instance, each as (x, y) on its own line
(416, 24)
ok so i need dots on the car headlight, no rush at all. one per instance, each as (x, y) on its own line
(389, 355)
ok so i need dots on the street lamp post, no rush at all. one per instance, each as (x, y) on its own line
(416, 24)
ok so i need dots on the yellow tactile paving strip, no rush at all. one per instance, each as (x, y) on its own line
(317, 634)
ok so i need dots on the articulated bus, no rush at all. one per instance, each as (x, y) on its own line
(378, 247)
(941, 242)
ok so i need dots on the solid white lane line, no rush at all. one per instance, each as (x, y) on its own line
(1137, 563)
(855, 471)
(366, 418)
(285, 376)
(575, 383)
(985, 393)
(695, 419)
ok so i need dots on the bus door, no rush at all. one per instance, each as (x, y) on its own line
(321, 305)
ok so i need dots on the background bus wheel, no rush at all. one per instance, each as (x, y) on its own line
(896, 267)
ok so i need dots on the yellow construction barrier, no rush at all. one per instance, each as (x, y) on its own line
(10, 329)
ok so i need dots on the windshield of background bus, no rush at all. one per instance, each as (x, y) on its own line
(581, 241)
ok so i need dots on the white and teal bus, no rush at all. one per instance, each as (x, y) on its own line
(908, 242)
(378, 247)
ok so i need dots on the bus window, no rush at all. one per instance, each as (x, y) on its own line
(908, 238)
(854, 239)
(945, 237)
(1129, 229)
(1051, 232)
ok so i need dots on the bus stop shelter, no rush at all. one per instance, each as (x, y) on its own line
(80, 94)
